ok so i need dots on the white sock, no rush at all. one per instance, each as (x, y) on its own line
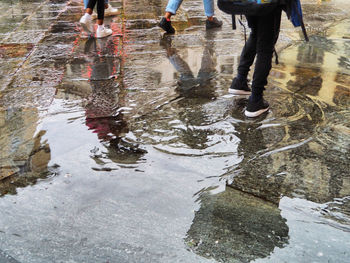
(100, 27)
(87, 15)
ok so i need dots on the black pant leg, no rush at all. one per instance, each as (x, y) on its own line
(100, 9)
(91, 4)
(249, 49)
(267, 33)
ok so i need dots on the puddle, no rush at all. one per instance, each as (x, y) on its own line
(130, 149)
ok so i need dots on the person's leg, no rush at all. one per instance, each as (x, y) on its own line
(248, 51)
(172, 7)
(90, 6)
(86, 3)
(239, 85)
(208, 8)
(101, 30)
(267, 34)
(86, 20)
(100, 12)
(211, 22)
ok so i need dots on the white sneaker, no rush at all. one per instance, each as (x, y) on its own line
(94, 15)
(103, 32)
(86, 23)
(110, 11)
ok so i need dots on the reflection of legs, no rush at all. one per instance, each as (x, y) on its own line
(207, 66)
(186, 75)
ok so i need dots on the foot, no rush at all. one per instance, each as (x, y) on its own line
(255, 109)
(86, 23)
(214, 23)
(239, 87)
(103, 32)
(166, 26)
(109, 11)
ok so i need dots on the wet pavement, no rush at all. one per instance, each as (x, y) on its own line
(130, 149)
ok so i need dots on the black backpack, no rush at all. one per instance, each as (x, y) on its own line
(263, 7)
(248, 7)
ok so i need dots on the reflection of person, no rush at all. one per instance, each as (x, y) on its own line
(173, 6)
(86, 19)
(102, 112)
(188, 84)
(234, 225)
(261, 43)
(193, 91)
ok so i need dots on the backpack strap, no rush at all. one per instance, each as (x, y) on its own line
(300, 17)
(234, 27)
(244, 27)
(303, 29)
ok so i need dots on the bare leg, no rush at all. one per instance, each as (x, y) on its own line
(168, 15)
(89, 11)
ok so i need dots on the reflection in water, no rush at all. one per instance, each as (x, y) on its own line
(318, 69)
(188, 85)
(24, 156)
(193, 93)
(301, 150)
(102, 111)
(236, 227)
(298, 154)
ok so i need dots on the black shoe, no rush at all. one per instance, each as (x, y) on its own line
(239, 87)
(166, 26)
(215, 23)
(254, 109)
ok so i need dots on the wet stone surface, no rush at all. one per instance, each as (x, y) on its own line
(130, 149)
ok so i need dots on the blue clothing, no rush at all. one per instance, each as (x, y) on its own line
(173, 6)
(87, 1)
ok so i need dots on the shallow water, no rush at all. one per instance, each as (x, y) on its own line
(130, 149)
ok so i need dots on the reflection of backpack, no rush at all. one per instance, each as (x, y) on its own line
(263, 7)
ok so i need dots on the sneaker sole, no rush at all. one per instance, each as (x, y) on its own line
(250, 114)
(239, 92)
